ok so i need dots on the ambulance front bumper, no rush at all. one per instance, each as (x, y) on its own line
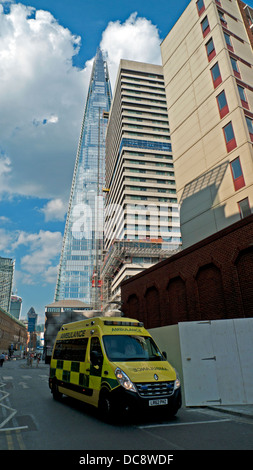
(144, 399)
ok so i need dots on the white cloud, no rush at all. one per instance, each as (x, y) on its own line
(51, 274)
(4, 219)
(135, 39)
(54, 210)
(5, 171)
(42, 253)
(42, 95)
(6, 240)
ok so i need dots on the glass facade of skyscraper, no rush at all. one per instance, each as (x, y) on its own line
(7, 266)
(83, 238)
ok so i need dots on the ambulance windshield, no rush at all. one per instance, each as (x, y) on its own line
(122, 348)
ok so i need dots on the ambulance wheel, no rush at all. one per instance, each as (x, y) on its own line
(172, 412)
(55, 391)
(105, 406)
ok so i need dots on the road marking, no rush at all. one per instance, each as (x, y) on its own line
(9, 441)
(13, 412)
(5, 394)
(17, 428)
(6, 408)
(20, 440)
(23, 384)
(183, 424)
(8, 377)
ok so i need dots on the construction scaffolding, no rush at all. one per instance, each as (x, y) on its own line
(125, 252)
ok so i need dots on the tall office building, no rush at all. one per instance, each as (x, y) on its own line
(83, 238)
(141, 211)
(7, 266)
(16, 306)
(208, 70)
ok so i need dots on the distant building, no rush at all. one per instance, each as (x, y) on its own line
(208, 69)
(7, 266)
(16, 306)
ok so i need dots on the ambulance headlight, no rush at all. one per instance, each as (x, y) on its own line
(124, 380)
(177, 382)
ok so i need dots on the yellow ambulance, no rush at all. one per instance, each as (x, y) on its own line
(115, 365)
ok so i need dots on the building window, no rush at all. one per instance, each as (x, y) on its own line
(237, 174)
(228, 42)
(222, 18)
(205, 27)
(249, 122)
(235, 67)
(244, 208)
(222, 104)
(210, 50)
(229, 137)
(243, 97)
(200, 6)
(216, 75)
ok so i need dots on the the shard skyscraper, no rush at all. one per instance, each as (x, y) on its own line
(78, 275)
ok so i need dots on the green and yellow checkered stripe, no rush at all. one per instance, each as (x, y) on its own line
(70, 372)
(76, 373)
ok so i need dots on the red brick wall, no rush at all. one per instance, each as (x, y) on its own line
(11, 332)
(208, 281)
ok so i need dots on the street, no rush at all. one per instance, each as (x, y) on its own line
(30, 419)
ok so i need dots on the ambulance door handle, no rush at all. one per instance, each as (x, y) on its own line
(87, 370)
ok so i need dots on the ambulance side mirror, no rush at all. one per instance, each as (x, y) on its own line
(95, 358)
(164, 354)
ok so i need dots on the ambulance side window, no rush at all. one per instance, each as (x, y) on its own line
(71, 350)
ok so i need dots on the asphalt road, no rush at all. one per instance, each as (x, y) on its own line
(30, 419)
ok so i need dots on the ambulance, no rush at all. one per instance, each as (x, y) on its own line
(115, 365)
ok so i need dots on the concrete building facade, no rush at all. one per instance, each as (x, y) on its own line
(208, 70)
(141, 210)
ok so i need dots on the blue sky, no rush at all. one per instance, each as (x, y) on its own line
(46, 53)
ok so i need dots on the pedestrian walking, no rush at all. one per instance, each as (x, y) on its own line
(2, 358)
(38, 360)
(31, 359)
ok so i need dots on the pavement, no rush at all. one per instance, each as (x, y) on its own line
(245, 411)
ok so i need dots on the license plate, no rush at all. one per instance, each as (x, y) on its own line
(162, 401)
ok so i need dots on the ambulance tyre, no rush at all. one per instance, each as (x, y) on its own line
(105, 406)
(175, 407)
(172, 411)
(56, 394)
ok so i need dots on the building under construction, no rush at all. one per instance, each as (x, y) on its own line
(125, 259)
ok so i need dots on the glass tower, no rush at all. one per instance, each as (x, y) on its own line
(7, 266)
(81, 256)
